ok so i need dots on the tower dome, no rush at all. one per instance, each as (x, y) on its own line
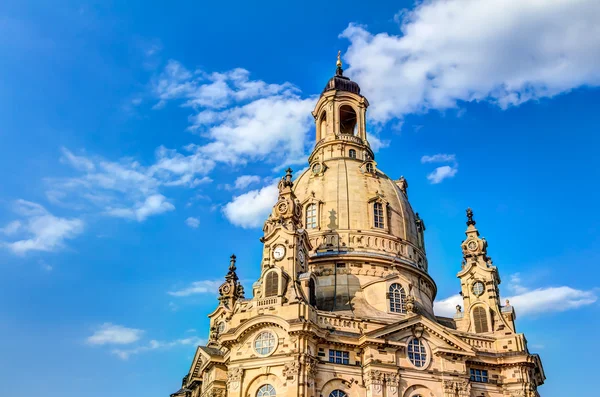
(363, 232)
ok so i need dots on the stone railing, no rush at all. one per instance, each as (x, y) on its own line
(480, 344)
(270, 301)
(340, 323)
(350, 138)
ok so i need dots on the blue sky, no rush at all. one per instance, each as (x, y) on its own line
(139, 143)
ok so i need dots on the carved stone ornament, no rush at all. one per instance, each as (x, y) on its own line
(411, 308)
(460, 387)
(291, 370)
(234, 377)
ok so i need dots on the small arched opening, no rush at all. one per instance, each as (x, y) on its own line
(272, 284)
(347, 120)
(323, 125)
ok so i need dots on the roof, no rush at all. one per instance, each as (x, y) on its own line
(339, 82)
(211, 350)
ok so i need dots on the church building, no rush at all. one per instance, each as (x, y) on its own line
(343, 306)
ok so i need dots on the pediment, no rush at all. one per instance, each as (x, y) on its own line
(440, 338)
(203, 356)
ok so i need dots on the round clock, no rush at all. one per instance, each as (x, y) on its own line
(317, 168)
(278, 252)
(472, 245)
(282, 207)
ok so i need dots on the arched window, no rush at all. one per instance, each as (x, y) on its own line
(271, 284)
(337, 393)
(397, 299)
(480, 320)
(266, 391)
(311, 216)
(312, 292)
(378, 215)
(323, 125)
(417, 352)
(369, 167)
(352, 153)
(347, 119)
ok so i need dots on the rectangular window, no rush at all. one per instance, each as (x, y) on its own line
(378, 215)
(339, 357)
(479, 375)
(311, 216)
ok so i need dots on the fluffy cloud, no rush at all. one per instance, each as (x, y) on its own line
(441, 173)
(39, 229)
(252, 208)
(198, 287)
(530, 301)
(192, 222)
(242, 119)
(476, 50)
(111, 334)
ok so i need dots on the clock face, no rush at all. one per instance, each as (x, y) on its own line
(279, 252)
(472, 245)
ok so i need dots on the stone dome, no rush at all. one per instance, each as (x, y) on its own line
(344, 192)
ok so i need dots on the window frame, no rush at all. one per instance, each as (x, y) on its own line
(378, 215)
(339, 357)
(393, 305)
(352, 153)
(313, 214)
(423, 351)
(272, 346)
(338, 393)
(270, 389)
(269, 277)
(482, 377)
(480, 318)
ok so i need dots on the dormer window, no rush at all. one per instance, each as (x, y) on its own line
(352, 153)
(311, 216)
(369, 168)
(378, 218)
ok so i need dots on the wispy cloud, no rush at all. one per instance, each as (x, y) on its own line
(243, 181)
(125, 354)
(39, 230)
(152, 205)
(112, 334)
(439, 158)
(528, 301)
(198, 287)
(522, 51)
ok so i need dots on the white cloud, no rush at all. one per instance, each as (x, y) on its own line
(529, 301)
(476, 50)
(198, 287)
(192, 222)
(251, 209)
(124, 354)
(111, 334)
(11, 228)
(152, 205)
(244, 181)
(441, 173)
(243, 119)
(39, 229)
(439, 158)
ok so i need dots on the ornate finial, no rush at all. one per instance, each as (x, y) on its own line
(507, 302)
(339, 60)
(231, 275)
(470, 220)
(458, 309)
(287, 179)
(232, 263)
